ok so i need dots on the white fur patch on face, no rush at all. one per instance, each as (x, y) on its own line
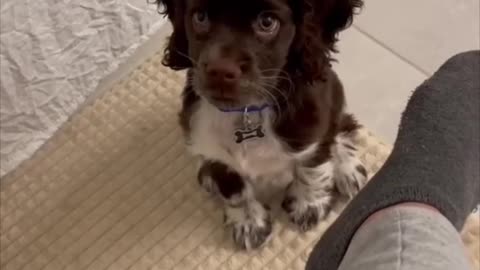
(350, 174)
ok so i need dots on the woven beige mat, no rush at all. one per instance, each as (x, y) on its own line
(114, 189)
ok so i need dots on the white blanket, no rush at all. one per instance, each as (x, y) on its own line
(53, 54)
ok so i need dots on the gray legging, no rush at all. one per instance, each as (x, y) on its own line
(435, 162)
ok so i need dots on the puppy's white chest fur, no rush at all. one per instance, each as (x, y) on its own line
(213, 137)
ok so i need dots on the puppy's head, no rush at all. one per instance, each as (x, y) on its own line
(241, 50)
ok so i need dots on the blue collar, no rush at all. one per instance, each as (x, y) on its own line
(247, 109)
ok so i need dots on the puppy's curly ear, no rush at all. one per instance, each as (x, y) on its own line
(318, 24)
(309, 55)
(336, 15)
(176, 52)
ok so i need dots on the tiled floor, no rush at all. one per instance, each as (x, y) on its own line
(393, 46)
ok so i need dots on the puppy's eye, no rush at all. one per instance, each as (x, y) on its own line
(201, 23)
(266, 25)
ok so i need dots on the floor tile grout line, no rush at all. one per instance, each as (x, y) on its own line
(206, 218)
(285, 245)
(62, 185)
(74, 121)
(208, 255)
(80, 187)
(307, 246)
(83, 154)
(73, 118)
(137, 260)
(33, 192)
(136, 206)
(114, 208)
(68, 124)
(310, 246)
(391, 50)
(249, 259)
(167, 135)
(156, 243)
(124, 124)
(275, 254)
(189, 253)
(202, 200)
(83, 201)
(108, 230)
(283, 228)
(70, 227)
(327, 220)
(229, 255)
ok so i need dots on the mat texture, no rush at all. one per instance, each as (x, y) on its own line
(115, 189)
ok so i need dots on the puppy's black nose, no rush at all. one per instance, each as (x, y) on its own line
(223, 72)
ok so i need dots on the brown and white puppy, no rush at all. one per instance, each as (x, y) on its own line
(262, 107)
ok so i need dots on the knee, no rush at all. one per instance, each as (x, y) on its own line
(459, 74)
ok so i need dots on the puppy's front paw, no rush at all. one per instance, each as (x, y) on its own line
(251, 225)
(309, 199)
(207, 183)
(250, 235)
(204, 177)
(350, 176)
(307, 214)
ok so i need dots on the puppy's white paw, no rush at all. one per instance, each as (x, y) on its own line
(207, 183)
(307, 214)
(350, 174)
(251, 225)
(308, 199)
(350, 177)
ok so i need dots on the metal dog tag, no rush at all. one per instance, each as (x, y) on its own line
(248, 134)
(249, 131)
